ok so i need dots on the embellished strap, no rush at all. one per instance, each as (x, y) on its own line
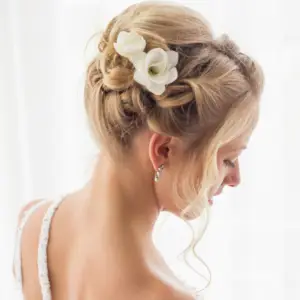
(17, 254)
(42, 259)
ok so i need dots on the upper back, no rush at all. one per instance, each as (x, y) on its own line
(51, 265)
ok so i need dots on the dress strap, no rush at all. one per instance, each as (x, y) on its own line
(17, 253)
(42, 259)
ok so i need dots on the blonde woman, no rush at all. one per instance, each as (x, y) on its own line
(172, 107)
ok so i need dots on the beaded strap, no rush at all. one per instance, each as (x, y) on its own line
(42, 250)
(17, 255)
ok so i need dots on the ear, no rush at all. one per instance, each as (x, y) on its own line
(159, 149)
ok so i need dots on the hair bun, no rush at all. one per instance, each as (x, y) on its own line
(118, 79)
(213, 77)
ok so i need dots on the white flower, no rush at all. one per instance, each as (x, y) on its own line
(155, 69)
(129, 44)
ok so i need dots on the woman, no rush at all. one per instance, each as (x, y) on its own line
(172, 108)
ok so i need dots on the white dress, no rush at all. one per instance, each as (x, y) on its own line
(42, 250)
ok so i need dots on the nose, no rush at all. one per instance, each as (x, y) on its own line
(233, 178)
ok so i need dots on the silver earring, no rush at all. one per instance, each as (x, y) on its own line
(158, 173)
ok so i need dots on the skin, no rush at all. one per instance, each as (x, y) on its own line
(101, 236)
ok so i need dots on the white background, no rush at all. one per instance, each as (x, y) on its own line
(253, 242)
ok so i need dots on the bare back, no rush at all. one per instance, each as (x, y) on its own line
(79, 267)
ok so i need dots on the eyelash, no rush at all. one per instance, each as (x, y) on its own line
(229, 163)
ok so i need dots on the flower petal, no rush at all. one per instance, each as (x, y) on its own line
(173, 75)
(156, 89)
(157, 68)
(157, 57)
(141, 78)
(122, 37)
(133, 47)
(161, 78)
(138, 60)
(129, 43)
(137, 40)
(172, 58)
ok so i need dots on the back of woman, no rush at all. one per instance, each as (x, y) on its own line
(172, 107)
(75, 260)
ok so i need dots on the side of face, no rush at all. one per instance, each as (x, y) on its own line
(171, 152)
(228, 165)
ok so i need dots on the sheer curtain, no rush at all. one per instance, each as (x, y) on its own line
(251, 244)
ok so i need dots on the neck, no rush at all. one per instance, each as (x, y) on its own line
(120, 198)
(119, 209)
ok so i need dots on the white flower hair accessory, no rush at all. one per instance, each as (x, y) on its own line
(154, 69)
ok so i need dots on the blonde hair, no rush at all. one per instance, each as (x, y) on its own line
(213, 102)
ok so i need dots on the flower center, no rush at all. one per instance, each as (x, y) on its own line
(153, 70)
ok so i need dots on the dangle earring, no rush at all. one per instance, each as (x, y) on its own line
(158, 173)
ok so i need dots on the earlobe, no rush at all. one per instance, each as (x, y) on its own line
(159, 150)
